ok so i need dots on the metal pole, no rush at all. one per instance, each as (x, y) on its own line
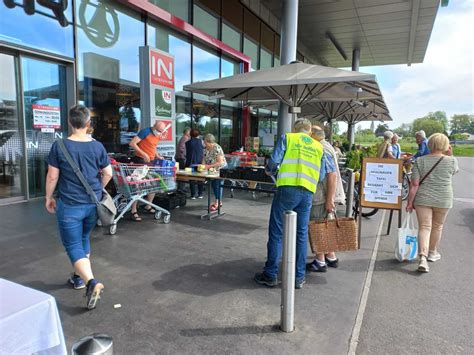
(355, 59)
(287, 323)
(350, 133)
(330, 130)
(288, 41)
(355, 67)
(350, 193)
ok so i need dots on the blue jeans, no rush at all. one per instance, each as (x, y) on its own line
(193, 185)
(216, 185)
(75, 225)
(288, 198)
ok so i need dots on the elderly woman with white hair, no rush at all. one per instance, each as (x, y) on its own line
(214, 159)
(385, 149)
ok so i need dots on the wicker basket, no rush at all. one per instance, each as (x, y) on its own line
(339, 234)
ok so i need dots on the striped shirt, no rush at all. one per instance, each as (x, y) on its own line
(437, 189)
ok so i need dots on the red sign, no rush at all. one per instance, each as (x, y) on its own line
(167, 134)
(161, 69)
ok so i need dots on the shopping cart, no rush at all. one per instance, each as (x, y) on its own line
(134, 181)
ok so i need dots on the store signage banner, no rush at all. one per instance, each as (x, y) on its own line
(163, 103)
(46, 117)
(157, 95)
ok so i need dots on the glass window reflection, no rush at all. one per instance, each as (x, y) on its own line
(229, 67)
(251, 49)
(178, 8)
(205, 65)
(108, 39)
(265, 59)
(205, 21)
(205, 115)
(230, 126)
(19, 28)
(231, 37)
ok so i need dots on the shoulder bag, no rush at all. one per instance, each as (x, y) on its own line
(429, 172)
(106, 209)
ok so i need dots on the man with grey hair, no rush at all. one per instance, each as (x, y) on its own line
(385, 148)
(422, 142)
(298, 158)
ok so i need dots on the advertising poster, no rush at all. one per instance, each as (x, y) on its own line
(163, 103)
(167, 136)
(45, 117)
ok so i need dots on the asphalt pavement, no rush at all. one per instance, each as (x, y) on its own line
(187, 288)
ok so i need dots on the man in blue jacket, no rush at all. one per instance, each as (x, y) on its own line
(422, 142)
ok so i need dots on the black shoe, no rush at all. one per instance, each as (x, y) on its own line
(315, 267)
(94, 289)
(333, 263)
(263, 279)
(299, 284)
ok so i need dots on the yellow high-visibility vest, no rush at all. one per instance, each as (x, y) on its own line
(301, 163)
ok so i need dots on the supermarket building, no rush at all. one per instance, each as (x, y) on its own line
(56, 53)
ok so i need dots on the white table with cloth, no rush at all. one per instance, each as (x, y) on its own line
(29, 321)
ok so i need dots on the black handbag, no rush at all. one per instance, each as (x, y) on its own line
(106, 209)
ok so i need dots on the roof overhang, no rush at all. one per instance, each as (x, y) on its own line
(385, 31)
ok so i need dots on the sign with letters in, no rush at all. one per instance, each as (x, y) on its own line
(381, 183)
(157, 95)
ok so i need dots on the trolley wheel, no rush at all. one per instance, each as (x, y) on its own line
(167, 219)
(99, 223)
(113, 229)
(157, 215)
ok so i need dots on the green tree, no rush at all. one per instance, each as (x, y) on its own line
(335, 128)
(440, 116)
(405, 130)
(462, 123)
(429, 125)
(381, 128)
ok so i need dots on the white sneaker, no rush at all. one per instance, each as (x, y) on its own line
(433, 256)
(423, 265)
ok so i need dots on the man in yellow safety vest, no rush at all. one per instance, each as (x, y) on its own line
(298, 157)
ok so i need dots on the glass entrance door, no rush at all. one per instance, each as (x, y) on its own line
(11, 133)
(45, 110)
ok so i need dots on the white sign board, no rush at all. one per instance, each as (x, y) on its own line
(46, 116)
(381, 183)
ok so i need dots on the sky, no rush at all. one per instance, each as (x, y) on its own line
(444, 81)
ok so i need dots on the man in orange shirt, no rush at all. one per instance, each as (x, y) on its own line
(144, 144)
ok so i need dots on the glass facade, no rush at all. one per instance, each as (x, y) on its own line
(205, 21)
(46, 94)
(19, 27)
(108, 40)
(178, 8)
(231, 37)
(105, 50)
(251, 49)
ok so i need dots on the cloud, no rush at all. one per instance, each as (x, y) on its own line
(445, 80)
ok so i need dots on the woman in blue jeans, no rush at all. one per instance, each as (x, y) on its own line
(214, 159)
(75, 211)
